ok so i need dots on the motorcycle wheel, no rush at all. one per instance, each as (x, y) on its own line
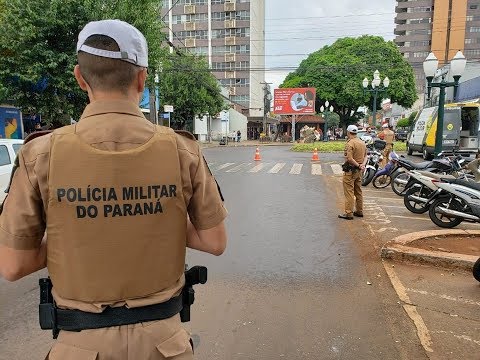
(397, 187)
(441, 220)
(476, 270)
(368, 176)
(382, 181)
(414, 206)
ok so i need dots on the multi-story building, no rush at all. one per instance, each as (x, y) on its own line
(439, 26)
(230, 34)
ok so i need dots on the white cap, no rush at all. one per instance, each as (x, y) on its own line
(385, 125)
(352, 129)
(132, 43)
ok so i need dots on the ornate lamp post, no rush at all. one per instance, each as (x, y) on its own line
(457, 67)
(376, 88)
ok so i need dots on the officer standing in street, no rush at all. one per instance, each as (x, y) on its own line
(389, 137)
(355, 160)
(120, 199)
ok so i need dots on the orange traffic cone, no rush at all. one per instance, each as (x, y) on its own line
(257, 155)
(315, 155)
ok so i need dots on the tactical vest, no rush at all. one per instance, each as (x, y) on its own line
(389, 137)
(116, 220)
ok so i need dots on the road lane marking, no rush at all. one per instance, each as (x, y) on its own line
(276, 168)
(411, 310)
(258, 167)
(445, 297)
(460, 337)
(238, 167)
(337, 169)
(296, 169)
(316, 169)
(223, 166)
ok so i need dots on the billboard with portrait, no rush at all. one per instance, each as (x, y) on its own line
(294, 101)
(11, 126)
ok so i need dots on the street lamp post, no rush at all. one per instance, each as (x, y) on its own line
(322, 110)
(376, 88)
(430, 65)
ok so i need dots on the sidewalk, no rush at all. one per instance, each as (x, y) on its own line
(453, 249)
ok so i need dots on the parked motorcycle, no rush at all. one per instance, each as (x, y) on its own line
(459, 201)
(374, 158)
(421, 189)
(400, 177)
(382, 177)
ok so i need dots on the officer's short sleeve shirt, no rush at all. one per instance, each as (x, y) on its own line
(106, 125)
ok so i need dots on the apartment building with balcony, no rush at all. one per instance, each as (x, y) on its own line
(231, 35)
(439, 26)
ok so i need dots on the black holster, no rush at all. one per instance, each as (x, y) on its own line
(55, 319)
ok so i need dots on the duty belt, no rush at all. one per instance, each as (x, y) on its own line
(56, 319)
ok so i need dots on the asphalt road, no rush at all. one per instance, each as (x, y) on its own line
(295, 282)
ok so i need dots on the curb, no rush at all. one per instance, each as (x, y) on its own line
(398, 250)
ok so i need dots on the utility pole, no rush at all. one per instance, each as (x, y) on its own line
(267, 98)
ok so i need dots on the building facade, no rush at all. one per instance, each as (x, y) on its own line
(439, 26)
(231, 35)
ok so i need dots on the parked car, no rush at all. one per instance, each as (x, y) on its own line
(8, 151)
(401, 134)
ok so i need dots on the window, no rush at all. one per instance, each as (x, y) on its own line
(417, 43)
(241, 65)
(472, 52)
(238, 49)
(231, 15)
(406, 55)
(419, 21)
(240, 98)
(421, 54)
(181, 19)
(238, 32)
(200, 50)
(470, 18)
(16, 147)
(419, 9)
(419, 32)
(474, 29)
(4, 156)
(199, 34)
(473, 7)
(235, 82)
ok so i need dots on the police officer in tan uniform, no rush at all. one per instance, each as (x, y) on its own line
(109, 206)
(355, 160)
(389, 137)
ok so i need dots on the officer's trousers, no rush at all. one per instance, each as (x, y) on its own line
(352, 189)
(156, 340)
(386, 153)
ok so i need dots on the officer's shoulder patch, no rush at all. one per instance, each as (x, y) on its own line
(35, 135)
(186, 134)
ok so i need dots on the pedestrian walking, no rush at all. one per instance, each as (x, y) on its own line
(388, 136)
(118, 217)
(355, 160)
(239, 136)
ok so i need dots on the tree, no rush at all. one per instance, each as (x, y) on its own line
(38, 50)
(332, 119)
(188, 85)
(403, 122)
(337, 71)
(411, 118)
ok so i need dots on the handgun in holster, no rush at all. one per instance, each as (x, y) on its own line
(193, 276)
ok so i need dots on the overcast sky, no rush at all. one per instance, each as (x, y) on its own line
(301, 27)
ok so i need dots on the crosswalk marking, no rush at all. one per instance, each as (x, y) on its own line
(238, 167)
(296, 169)
(316, 169)
(257, 168)
(337, 169)
(276, 168)
(223, 166)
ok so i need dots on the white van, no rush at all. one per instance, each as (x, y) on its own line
(8, 151)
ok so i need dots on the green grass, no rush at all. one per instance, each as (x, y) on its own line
(332, 146)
